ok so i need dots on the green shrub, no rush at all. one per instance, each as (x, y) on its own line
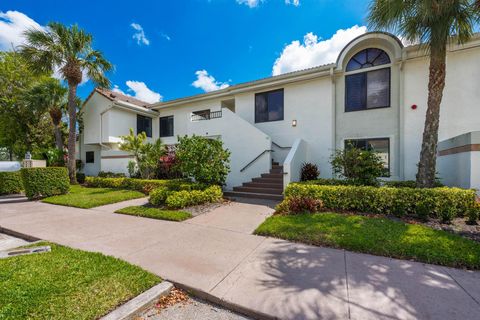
(309, 171)
(473, 214)
(159, 195)
(407, 184)
(298, 205)
(10, 182)
(444, 203)
(145, 186)
(328, 182)
(45, 182)
(182, 199)
(80, 177)
(202, 159)
(109, 174)
(359, 167)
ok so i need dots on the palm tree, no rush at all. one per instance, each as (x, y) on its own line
(69, 51)
(435, 24)
(52, 96)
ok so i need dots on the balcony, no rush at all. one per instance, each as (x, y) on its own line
(205, 115)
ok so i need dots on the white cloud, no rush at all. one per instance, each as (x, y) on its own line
(139, 34)
(250, 3)
(207, 82)
(296, 3)
(140, 90)
(12, 26)
(166, 36)
(312, 52)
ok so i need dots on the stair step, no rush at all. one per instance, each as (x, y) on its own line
(258, 190)
(276, 170)
(269, 180)
(233, 194)
(275, 163)
(272, 175)
(277, 166)
(263, 185)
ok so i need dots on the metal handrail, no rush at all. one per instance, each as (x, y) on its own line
(207, 116)
(256, 158)
(279, 146)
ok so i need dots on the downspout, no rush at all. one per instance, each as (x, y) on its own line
(334, 109)
(401, 120)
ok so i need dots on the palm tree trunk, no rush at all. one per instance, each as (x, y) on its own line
(72, 133)
(58, 138)
(436, 83)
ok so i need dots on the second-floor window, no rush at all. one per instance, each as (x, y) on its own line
(368, 89)
(269, 106)
(144, 124)
(166, 126)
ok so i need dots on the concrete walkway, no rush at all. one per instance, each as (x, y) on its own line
(217, 255)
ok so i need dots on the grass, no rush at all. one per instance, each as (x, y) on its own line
(82, 197)
(155, 213)
(378, 236)
(67, 284)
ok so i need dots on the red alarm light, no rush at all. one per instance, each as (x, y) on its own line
(414, 107)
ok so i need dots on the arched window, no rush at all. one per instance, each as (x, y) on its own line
(369, 89)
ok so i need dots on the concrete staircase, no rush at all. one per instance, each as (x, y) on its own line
(268, 186)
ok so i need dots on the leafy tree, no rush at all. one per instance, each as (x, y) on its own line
(52, 96)
(22, 122)
(435, 23)
(69, 50)
(203, 159)
(146, 154)
(357, 166)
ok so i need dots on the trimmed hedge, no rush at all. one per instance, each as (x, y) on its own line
(341, 182)
(45, 182)
(159, 195)
(145, 186)
(182, 199)
(444, 203)
(10, 182)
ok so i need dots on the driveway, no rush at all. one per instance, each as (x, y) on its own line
(216, 255)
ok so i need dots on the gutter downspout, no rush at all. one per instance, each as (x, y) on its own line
(334, 109)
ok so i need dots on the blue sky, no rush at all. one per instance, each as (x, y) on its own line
(171, 49)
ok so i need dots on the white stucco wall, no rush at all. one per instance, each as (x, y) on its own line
(308, 102)
(91, 117)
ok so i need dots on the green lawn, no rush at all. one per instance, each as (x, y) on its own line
(82, 197)
(155, 213)
(67, 284)
(378, 236)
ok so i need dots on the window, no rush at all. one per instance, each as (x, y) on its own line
(269, 106)
(90, 157)
(166, 126)
(144, 124)
(369, 89)
(379, 145)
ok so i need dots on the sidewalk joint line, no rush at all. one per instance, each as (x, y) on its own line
(346, 282)
(465, 290)
(236, 266)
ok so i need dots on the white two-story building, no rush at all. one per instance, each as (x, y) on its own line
(373, 96)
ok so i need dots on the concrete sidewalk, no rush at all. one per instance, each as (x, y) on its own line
(217, 255)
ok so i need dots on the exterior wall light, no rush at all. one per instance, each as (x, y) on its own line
(294, 123)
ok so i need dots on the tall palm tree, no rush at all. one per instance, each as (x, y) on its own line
(52, 96)
(68, 50)
(435, 24)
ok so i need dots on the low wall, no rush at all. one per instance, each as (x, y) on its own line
(458, 161)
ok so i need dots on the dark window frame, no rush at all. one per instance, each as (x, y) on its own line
(141, 120)
(266, 93)
(366, 92)
(169, 134)
(388, 169)
(89, 154)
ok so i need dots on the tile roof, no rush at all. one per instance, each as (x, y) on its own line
(116, 96)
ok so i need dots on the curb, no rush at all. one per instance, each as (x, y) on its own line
(228, 305)
(20, 235)
(140, 303)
